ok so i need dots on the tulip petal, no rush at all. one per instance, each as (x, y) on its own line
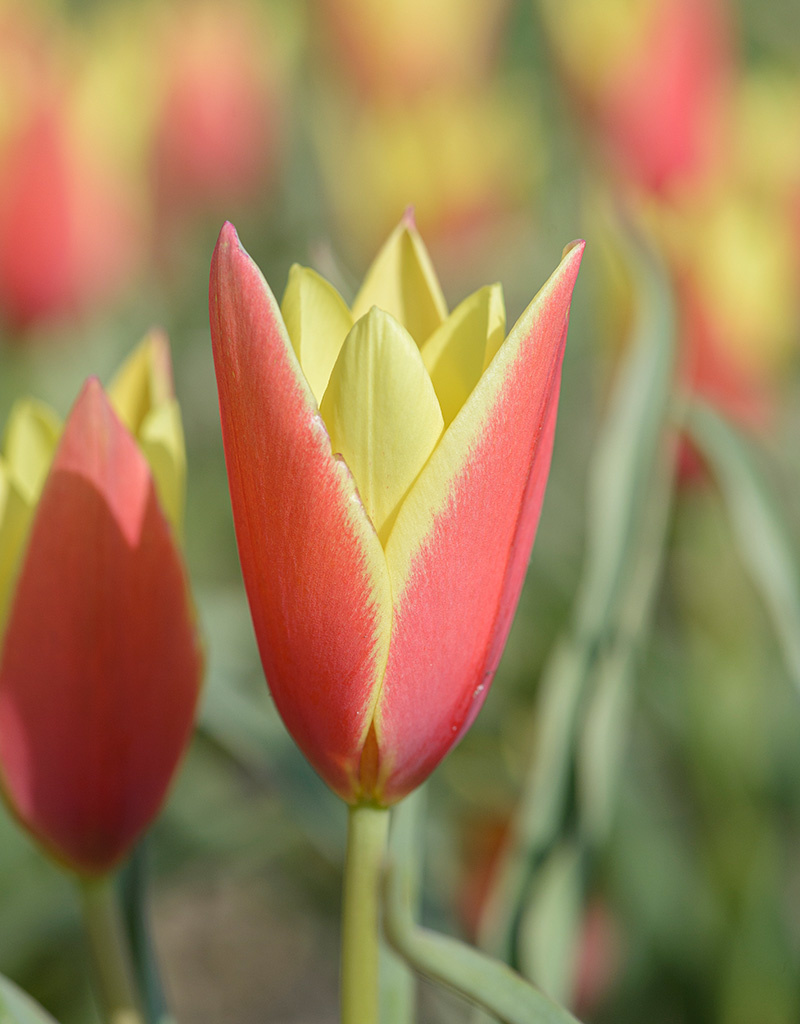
(100, 663)
(381, 413)
(161, 440)
(318, 321)
(31, 437)
(459, 548)
(30, 440)
(402, 282)
(15, 517)
(313, 566)
(143, 382)
(143, 397)
(458, 351)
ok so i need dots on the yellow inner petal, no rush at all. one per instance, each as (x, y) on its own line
(142, 395)
(382, 413)
(317, 320)
(161, 439)
(31, 437)
(402, 282)
(458, 352)
(30, 441)
(142, 382)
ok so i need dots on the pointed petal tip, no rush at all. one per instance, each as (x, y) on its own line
(575, 248)
(227, 241)
(229, 233)
(91, 398)
(91, 418)
(409, 217)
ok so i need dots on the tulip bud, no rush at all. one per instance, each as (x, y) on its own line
(100, 661)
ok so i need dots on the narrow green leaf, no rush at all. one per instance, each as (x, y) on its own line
(551, 923)
(484, 981)
(627, 448)
(545, 795)
(760, 532)
(17, 1007)
(602, 744)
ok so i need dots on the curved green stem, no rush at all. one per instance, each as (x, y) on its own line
(110, 953)
(367, 833)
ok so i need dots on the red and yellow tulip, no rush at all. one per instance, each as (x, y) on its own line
(100, 663)
(653, 78)
(387, 465)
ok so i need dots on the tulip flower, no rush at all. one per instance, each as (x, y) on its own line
(387, 465)
(69, 236)
(99, 656)
(402, 49)
(654, 80)
(218, 134)
(470, 196)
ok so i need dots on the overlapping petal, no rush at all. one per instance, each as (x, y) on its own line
(313, 566)
(459, 548)
(403, 283)
(143, 397)
(381, 413)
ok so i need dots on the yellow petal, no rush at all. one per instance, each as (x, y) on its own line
(402, 281)
(15, 518)
(30, 440)
(142, 396)
(318, 321)
(161, 440)
(458, 352)
(31, 436)
(382, 413)
(142, 382)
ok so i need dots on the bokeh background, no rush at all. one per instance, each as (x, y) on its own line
(128, 132)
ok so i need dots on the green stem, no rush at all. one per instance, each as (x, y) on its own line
(367, 833)
(110, 953)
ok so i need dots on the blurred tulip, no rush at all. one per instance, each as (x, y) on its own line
(68, 240)
(653, 80)
(218, 134)
(99, 657)
(387, 466)
(400, 49)
(426, 148)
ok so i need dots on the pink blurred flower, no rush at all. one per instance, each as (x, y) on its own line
(218, 135)
(652, 80)
(69, 239)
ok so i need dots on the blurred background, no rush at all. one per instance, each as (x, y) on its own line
(128, 132)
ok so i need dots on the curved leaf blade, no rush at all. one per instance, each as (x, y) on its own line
(760, 532)
(17, 1007)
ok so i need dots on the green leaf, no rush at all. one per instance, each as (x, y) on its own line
(606, 720)
(16, 1007)
(628, 446)
(760, 532)
(551, 923)
(545, 795)
(484, 981)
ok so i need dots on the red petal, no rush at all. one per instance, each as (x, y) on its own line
(313, 567)
(456, 594)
